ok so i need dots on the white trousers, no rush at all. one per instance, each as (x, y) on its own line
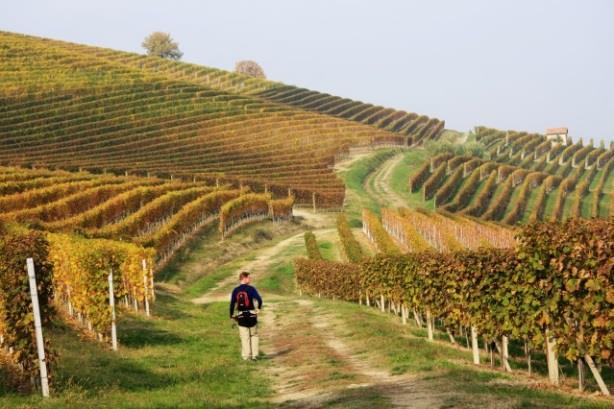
(249, 342)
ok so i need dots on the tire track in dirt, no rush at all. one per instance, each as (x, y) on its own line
(378, 187)
(309, 365)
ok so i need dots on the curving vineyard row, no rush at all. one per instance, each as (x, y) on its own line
(417, 230)
(527, 178)
(406, 230)
(412, 129)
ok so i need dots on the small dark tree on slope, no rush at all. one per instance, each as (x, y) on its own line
(250, 68)
(162, 45)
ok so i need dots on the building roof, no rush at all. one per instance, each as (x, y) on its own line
(556, 131)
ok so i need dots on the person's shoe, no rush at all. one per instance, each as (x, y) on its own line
(245, 359)
(254, 358)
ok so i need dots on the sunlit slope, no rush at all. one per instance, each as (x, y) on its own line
(406, 127)
(410, 128)
(526, 178)
(72, 106)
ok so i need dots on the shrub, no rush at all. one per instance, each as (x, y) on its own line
(481, 202)
(448, 189)
(311, 244)
(434, 181)
(351, 247)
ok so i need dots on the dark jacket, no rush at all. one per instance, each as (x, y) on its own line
(252, 294)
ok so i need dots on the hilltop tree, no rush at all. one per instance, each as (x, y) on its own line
(250, 68)
(162, 45)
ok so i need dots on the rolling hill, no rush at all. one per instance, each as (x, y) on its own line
(78, 107)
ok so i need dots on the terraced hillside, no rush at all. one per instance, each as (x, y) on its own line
(527, 178)
(408, 128)
(150, 212)
(78, 107)
(412, 128)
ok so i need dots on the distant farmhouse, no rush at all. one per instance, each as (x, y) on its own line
(557, 135)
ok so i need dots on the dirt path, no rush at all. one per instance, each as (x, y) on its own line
(259, 265)
(309, 363)
(378, 187)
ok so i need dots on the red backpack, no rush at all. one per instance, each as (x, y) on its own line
(243, 302)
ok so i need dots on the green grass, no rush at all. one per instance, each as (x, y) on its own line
(327, 250)
(605, 205)
(405, 350)
(204, 254)
(210, 280)
(354, 178)
(530, 205)
(550, 200)
(513, 202)
(357, 196)
(399, 179)
(279, 278)
(609, 183)
(596, 179)
(187, 356)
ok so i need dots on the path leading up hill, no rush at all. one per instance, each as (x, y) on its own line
(309, 363)
(378, 184)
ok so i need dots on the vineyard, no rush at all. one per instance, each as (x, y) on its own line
(544, 291)
(86, 231)
(550, 292)
(83, 108)
(526, 179)
(133, 189)
(412, 128)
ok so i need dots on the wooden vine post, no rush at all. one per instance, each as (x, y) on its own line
(113, 317)
(417, 318)
(40, 343)
(581, 375)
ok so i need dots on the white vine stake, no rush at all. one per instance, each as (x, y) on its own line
(429, 324)
(112, 305)
(145, 285)
(40, 344)
(505, 354)
(474, 345)
(591, 364)
(553, 363)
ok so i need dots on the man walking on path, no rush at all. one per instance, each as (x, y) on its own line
(243, 298)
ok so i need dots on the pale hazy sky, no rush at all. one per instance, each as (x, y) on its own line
(523, 65)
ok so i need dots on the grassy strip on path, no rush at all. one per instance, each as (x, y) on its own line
(354, 179)
(399, 179)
